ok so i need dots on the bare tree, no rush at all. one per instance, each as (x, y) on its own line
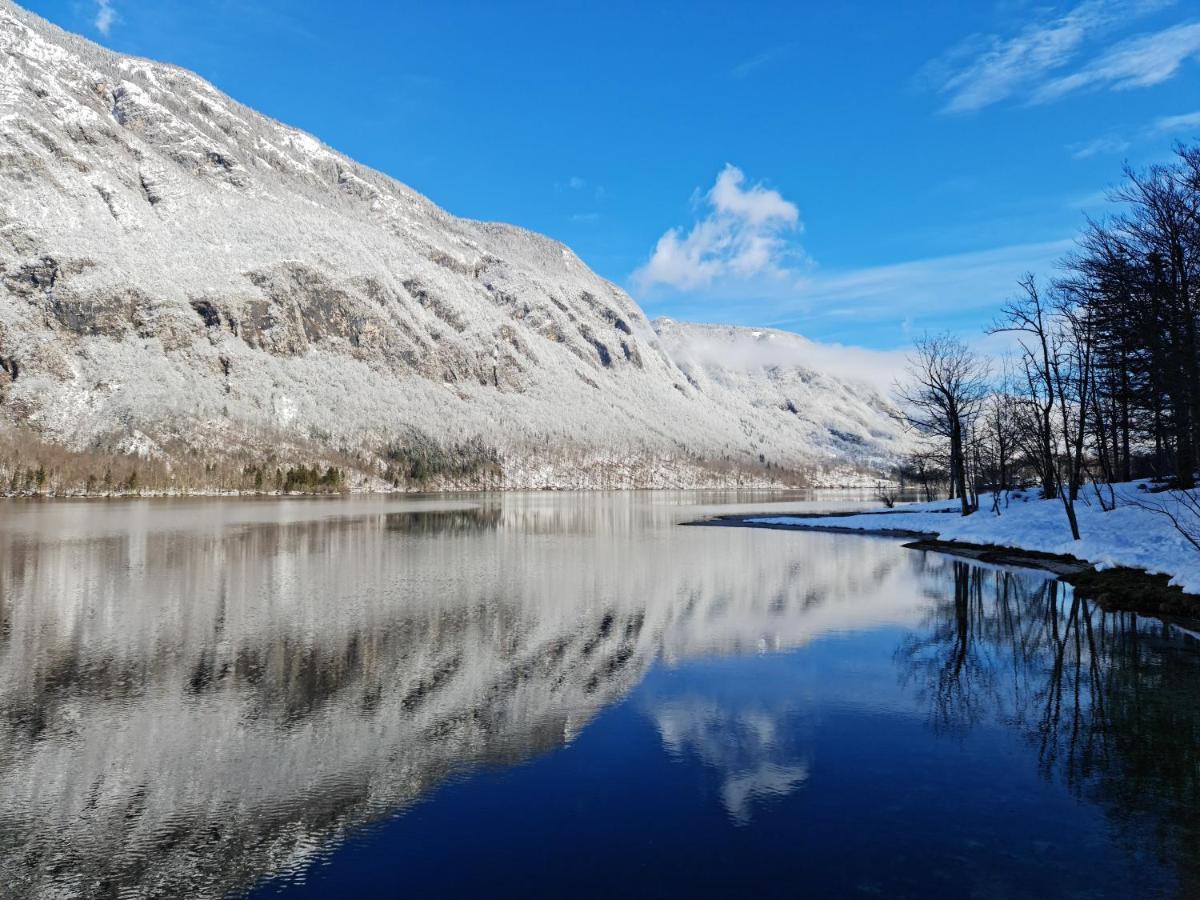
(1000, 426)
(1073, 339)
(924, 464)
(945, 390)
(1029, 316)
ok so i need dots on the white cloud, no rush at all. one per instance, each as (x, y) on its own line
(1098, 146)
(1183, 122)
(748, 351)
(1140, 62)
(741, 237)
(987, 69)
(999, 67)
(737, 264)
(1114, 143)
(876, 303)
(105, 16)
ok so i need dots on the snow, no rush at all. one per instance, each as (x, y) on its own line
(1128, 536)
(348, 294)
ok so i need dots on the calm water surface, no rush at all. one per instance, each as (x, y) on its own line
(555, 695)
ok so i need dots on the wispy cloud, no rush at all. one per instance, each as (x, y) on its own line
(1097, 147)
(579, 184)
(1035, 63)
(581, 189)
(1152, 132)
(963, 281)
(741, 236)
(1140, 62)
(748, 67)
(1172, 124)
(105, 16)
(862, 305)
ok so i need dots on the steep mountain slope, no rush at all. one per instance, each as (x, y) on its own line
(177, 268)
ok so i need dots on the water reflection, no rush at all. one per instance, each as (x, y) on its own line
(1107, 700)
(194, 696)
(753, 749)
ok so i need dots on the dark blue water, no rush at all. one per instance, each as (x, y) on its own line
(823, 771)
(573, 696)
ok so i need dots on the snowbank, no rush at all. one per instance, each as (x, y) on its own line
(1129, 535)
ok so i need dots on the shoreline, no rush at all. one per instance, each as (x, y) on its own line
(249, 493)
(1118, 589)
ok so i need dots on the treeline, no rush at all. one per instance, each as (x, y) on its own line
(1105, 383)
(411, 461)
(420, 458)
(33, 467)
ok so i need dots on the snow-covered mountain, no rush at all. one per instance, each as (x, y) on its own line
(177, 266)
(826, 399)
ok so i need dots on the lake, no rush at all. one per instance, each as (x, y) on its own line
(569, 694)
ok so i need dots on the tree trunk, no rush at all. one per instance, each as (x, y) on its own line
(1126, 460)
(1069, 506)
(1185, 460)
(1049, 481)
(958, 472)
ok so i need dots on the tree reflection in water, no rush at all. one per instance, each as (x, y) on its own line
(1108, 700)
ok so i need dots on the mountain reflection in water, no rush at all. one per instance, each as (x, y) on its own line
(195, 696)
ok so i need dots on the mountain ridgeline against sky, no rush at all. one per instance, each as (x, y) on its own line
(178, 270)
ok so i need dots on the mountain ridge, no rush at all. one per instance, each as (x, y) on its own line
(179, 269)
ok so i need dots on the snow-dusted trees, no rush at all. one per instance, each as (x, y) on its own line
(944, 392)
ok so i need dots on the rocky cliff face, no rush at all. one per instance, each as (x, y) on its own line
(177, 267)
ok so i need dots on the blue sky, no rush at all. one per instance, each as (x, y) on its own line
(855, 172)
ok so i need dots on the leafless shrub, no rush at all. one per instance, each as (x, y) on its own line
(1183, 512)
(886, 494)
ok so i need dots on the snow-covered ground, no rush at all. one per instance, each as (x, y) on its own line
(1129, 535)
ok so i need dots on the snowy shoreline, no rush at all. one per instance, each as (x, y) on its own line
(1130, 536)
